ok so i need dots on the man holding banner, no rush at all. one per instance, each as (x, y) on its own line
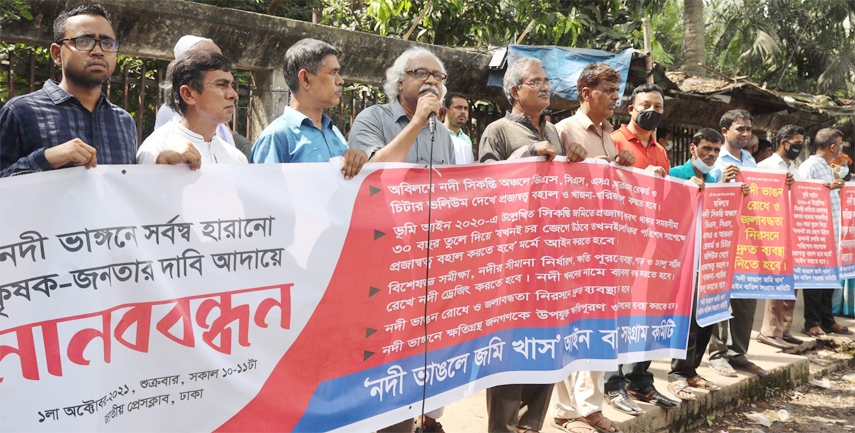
(522, 133)
(705, 148)
(828, 144)
(731, 338)
(778, 314)
(92, 129)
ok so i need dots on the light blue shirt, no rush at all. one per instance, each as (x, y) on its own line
(293, 137)
(725, 159)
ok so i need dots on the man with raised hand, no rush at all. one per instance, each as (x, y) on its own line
(184, 44)
(400, 130)
(71, 123)
(202, 90)
(303, 133)
(778, 314)
(521, 133)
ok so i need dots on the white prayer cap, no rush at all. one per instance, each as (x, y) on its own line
(186, 42)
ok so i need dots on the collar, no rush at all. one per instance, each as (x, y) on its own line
(297, 118)
(397, 110)
(586, 122)
(58, 95)
(630, 136)
(525, 120)
(778, 160)
(821, 160)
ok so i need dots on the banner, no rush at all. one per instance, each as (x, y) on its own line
(285, 298)
(814, 248)
(763, 267)
(721, 205)
(847, 231)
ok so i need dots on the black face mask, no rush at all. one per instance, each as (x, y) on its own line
(794, 151)
(648, 120)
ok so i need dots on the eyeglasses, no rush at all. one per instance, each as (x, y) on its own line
(423, 74)
(87, 43)
(538, 84)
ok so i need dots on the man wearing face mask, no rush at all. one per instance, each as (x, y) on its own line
(663, 137)
(819, 319)
(647, 105)
(705, 147)
(778, 315)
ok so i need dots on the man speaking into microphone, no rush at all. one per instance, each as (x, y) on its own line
(405, 129)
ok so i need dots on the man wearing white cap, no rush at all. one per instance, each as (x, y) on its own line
(186, 43)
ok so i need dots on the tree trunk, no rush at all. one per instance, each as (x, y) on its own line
(694, 43)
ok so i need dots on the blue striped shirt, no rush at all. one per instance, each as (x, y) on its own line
(31, 123)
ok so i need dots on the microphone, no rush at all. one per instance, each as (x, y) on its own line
(432, 122)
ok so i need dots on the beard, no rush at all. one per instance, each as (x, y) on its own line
(79, 77)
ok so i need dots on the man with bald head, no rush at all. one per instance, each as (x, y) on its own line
(166, 113)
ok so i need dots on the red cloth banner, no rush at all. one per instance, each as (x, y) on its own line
(847, 231)
(814, 248)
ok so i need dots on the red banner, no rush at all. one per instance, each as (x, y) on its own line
(847, 231)
(814, 251)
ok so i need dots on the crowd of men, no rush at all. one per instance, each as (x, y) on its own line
(72, 123)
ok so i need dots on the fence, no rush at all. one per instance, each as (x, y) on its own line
(135, 87)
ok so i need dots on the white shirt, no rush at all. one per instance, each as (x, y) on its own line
(776, 162)
(215, 151)
(462, 151)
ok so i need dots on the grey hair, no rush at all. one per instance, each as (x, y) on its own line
(398, 71)
(308, 54)
(516, 73)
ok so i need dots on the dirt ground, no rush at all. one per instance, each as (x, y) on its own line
(809, 408)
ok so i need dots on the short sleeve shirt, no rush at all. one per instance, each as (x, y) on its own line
(645, 156)
(579, 128)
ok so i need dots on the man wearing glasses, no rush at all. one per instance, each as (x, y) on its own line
(71, 123)
(399, 131)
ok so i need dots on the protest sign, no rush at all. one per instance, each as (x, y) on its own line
(763, 266)
(719, 231)
(814, 248)
(283, 297)
(847, 231)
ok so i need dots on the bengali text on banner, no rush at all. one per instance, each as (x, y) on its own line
(291, 299)
(847, 231)
(814, 248)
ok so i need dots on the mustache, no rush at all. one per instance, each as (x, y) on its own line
(429, 87)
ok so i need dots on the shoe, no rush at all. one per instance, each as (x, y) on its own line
(751, 368)
(620, 400)
(789, 338)
(776, 342)
(653, 396)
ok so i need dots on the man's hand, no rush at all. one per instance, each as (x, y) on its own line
(428, 103)
(657, 169)
(790, 179)
(351, 162)
(835, 184)
(698, 181)
(729, 173)
(544, 148)
(184, 153)
(75, 151)
(575, 152)
(745, 190)
(625, 158)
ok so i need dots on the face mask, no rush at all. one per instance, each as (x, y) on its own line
(844, 170)
(669, 146)
(648, 120)
(701, 166)
(794, 151)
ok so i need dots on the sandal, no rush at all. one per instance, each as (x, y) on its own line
(819, 335)
(520, 430)
(603, 425)
(722, 367)
(573, 426)
(679, 389)
(701, 383)
(842, 330)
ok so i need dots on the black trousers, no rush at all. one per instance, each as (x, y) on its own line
(632, 376)
(699, 338)
(504, 403)
(818, 308)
